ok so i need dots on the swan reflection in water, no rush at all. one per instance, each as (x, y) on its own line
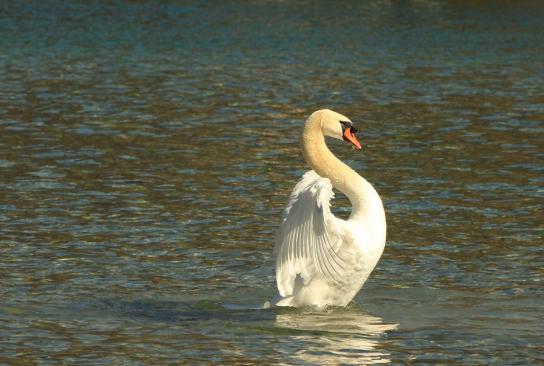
(336, 336)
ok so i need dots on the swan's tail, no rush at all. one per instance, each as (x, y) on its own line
(278, 300)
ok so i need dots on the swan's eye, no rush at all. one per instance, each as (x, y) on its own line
(348, 134)
(345, 125)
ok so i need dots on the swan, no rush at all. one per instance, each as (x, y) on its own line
(322, 260)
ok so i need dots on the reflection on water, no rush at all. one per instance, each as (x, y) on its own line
(109, 330)
(336, 336)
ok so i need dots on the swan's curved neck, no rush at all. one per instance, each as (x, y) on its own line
(366, 203)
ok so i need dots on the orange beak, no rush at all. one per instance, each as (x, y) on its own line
(350, 136)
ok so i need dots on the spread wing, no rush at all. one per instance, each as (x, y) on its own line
(309, 238)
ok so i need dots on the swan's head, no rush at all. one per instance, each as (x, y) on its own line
(337, 126)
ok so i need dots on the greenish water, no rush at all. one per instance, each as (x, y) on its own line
(147, 150)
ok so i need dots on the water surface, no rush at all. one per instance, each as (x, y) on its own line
(147, 151)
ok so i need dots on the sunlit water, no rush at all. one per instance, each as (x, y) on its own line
(147, 152)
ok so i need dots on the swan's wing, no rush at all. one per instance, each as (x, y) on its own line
(309, 238)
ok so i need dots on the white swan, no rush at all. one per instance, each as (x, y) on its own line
(320, 259)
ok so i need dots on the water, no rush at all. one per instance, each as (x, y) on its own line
(147, 151)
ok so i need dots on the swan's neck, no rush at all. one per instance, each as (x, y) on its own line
(366, 204)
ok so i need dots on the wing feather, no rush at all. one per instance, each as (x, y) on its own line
(309, 238)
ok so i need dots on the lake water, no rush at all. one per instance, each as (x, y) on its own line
(147, 152)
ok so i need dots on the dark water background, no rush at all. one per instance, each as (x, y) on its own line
(147, 149)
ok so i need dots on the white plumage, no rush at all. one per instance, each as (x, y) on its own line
(309, 237)
(320, 259)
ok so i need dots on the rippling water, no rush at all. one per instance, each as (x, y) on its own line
(147, 151)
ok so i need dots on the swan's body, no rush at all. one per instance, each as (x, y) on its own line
(320, 259)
